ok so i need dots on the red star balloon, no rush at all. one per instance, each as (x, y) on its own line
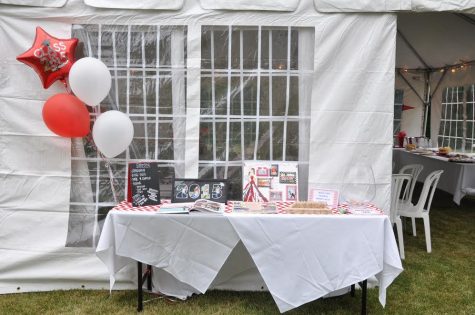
(50, 57)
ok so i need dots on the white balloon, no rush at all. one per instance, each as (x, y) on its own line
(90, 80)
(113, 132)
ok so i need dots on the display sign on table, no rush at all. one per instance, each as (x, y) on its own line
(267, 181)
(190, 190)
(330, 197)
(144, 184)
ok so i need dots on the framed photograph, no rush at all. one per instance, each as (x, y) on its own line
(275, 195)
(262, 172)
(288, 178)
(263, 182)
(190, 190)
(291, 192)
(274, 170)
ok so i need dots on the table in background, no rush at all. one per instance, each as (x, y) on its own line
(300, 258)
(457, 177)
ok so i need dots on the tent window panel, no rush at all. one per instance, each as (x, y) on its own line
(206, 99)
(279, 49)
(220, 98)
(206, 140)
(147, 81)
(234, 141)
(165, 46)
(165, 95)
(470, 117)
(293, 108)
(292, 150)
(264, 97)
(235, 94)
(264, 141)
(220, 142)
(277, 139)
(452, 118)
(250, 96)
(279, 85)
(251, 84)
(249, 139)
(244, 42)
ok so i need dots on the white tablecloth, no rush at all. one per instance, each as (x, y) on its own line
(457, 179)
(300, 258)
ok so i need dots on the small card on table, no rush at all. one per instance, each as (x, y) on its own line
(330, 197)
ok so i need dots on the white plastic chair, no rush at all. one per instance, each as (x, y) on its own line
(422, 208)
(414, 170)
(400, 185)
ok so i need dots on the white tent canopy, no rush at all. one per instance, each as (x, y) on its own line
(55, 191)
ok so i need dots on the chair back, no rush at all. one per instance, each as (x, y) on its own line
(427, 193)
(414, 170)
(399, 184)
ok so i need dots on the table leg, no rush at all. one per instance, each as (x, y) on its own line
(364, 286)
(149, 278)
(139, 287)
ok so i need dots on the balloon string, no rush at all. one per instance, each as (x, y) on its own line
(111, 176)
(66, 86)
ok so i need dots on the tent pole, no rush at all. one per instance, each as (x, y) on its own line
(438, 83)
(413, 49)
(427, 104)
(410, 86)
(465, 18)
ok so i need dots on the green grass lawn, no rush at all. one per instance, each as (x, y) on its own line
(442, 282)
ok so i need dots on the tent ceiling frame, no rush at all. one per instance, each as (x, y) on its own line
(404, 38)
(401, 74)
(465, 17)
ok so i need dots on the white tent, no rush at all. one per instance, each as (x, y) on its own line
(208, 84)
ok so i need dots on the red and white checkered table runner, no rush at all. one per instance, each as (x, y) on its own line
(281, 206)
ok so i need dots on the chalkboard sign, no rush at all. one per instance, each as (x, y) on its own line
(144, 184)
(190, 190)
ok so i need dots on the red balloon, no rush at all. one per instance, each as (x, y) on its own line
(65, 115)
(50, 57)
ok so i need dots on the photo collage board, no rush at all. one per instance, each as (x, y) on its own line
(270, 181)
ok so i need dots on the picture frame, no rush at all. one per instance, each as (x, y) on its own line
(190, 190)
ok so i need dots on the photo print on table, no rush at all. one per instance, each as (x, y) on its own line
(274, 170)
(190, 190)
(263, 182)
(291, 192)
(275, 195)
(288, 178)
(262, 171)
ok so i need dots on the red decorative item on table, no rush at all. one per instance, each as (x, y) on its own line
(50, 57)
(400, 138)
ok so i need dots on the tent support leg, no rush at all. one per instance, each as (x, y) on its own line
(364, 285)
(139, 287)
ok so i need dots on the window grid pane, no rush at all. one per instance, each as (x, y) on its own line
(252, 104)
(452, 118)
